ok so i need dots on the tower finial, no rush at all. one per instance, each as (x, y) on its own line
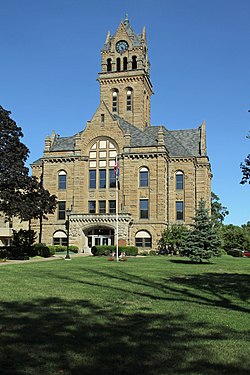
(126, 17)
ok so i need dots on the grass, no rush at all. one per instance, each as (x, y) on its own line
(152, 315)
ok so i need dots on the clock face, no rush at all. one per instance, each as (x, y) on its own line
(121, 46)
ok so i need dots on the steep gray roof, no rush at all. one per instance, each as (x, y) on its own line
(37, 162)
(177, 142)
(63, 144)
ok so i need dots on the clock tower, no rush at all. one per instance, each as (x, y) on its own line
(125, 85)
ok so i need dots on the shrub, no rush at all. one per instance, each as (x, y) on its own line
(107, 250)
(94, 250)
(5, 253)
(22, 244)
(60, 248)
(73, 249)
(42, 250)
(152, 252)
(235, 253)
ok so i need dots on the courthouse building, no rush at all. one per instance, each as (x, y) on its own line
(162, 173)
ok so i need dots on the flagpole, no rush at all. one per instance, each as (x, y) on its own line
(116, 206)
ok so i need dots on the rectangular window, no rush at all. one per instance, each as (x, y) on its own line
(112, 178)
(143, 178)
(62, 181)
(129, 103)
(61, 210)
(92, 179)
(112, 207)
(179, 181)
(143, 242)
(102, 207)
(102, 178)
(92, 205)
(102, 119)
(179, 210)
(144, 208)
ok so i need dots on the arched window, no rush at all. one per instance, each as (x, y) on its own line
(118, 64)
(179, 180)
(143, 177)
(102, 159)
(60, 238)
(125, 63)
(62, 180)
(143, 239)
(109, 65)
(134, 62)
(129, 100)
(115, 101)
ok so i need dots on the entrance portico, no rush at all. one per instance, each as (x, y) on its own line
(98, 229)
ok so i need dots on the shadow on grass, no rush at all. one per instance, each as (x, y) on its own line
(210, 289)
(189, 261)
(55, 336)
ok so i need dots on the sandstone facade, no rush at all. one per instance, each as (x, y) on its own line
(163, 173)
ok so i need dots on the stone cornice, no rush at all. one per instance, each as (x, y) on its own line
(144, 155)
(61, 159)
(182, 159)
(100, 219)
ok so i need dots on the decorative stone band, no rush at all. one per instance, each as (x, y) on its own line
(100, 218)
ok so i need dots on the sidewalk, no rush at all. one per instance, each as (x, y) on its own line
(40, 259)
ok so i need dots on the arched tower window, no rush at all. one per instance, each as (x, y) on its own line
(115, 101)
(125, 63)
(134, 62)
(62, 180)
(118, 64)
(179, 180)
(129, 100)
(144, 174)
(109, 65)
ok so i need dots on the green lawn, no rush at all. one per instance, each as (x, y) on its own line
(152, 315)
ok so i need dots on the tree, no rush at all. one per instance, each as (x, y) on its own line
(21, 195)
(203, 241)
(43, 203)
(235, 237)
(245, 168)
(218, 211)
(173, 239)
(13, 173)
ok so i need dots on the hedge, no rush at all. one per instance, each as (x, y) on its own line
(109, 249)
(235, 253)
(60, 248)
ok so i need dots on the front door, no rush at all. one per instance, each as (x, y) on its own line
(100, 236)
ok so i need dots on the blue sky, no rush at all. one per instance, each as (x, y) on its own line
(200, 70)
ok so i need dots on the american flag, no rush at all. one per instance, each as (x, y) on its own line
(116, 167)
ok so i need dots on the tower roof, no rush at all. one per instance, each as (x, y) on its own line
(135, 38)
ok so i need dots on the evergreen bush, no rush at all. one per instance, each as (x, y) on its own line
(5, 253)
(22, 244)
(42, 250)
